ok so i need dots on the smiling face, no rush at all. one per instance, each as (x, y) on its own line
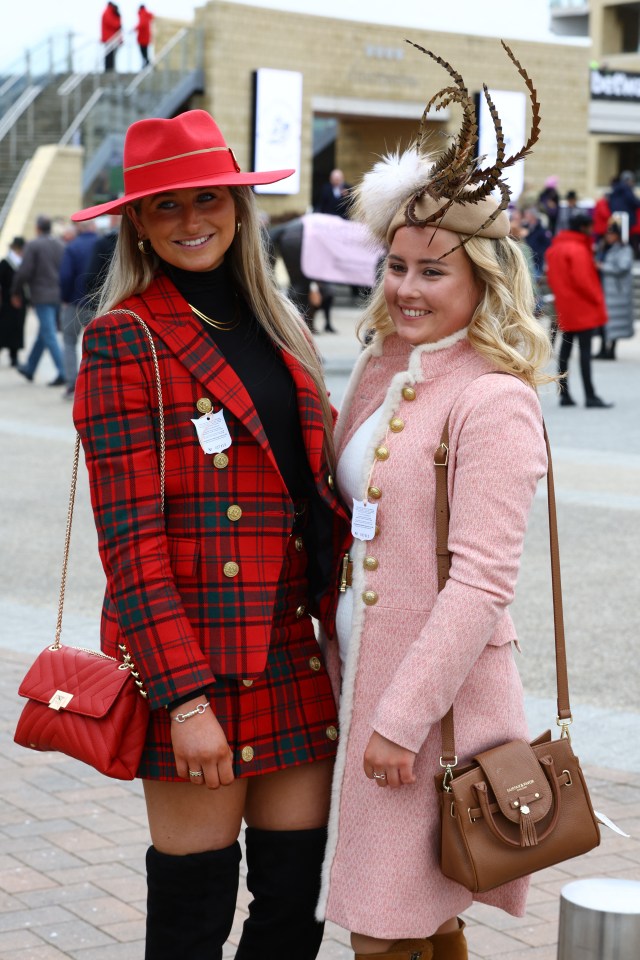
(191, 229)
(428, 298)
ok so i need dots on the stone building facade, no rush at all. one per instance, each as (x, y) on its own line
(373, 87)
(614, 109)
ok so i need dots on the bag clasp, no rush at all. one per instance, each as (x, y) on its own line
(60, 699)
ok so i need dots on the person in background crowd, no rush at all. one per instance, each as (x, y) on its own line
(622, 196)
(76, 307)
(321, 296)
(537, 236)
(143, 32)
(601, 216)
(335, 199)
(549, 203)
(212, 586)
(634, 235)
(623, 199)
(111, 28)
(102, 255)
(40, 271)
(518, 233)
(567, 210)
(11, 317)
(63, 230)
(614, 260)
(334, 196)
(579, 302)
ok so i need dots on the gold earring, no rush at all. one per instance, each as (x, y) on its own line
(238, 226)
(141, 246)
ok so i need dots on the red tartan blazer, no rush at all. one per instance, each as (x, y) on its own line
(168, 597)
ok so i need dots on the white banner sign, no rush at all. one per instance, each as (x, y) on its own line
(512, 110)
(278, 127)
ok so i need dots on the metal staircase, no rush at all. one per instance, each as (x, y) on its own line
(58, 94)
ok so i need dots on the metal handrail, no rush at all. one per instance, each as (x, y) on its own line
(45, 59)
(73, 80)
(18, 108)
(8, 203)
(162, 56)
(10, 82)
(96, 115)
(80, 117)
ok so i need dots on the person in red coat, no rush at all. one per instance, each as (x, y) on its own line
(579, 301)
(217, 563)
(111, 25)
(143, 32)
(601, 217)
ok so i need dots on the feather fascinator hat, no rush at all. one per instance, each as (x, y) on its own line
(453, 190)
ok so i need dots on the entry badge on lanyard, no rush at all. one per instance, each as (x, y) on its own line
(363, 519)
(213, 432)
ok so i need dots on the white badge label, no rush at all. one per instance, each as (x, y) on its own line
(363, 519)
(213, 432)
(604, 819)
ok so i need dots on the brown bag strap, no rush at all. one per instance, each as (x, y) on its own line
(74, 474)
(441, 462)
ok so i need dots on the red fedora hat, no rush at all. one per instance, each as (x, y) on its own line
(186, 151)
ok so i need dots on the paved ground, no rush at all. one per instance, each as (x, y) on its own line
(72, 843)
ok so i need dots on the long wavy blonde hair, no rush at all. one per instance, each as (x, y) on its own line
(503, 328)
(131, 272)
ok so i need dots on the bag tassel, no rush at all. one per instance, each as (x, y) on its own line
(528, 834)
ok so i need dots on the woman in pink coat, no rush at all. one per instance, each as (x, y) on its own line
(453, 336)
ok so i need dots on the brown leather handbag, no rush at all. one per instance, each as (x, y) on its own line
(519, 807)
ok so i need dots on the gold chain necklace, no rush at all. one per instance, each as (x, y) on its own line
(217, 324)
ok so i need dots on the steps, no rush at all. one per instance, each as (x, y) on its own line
(91, 109)
(45, 122)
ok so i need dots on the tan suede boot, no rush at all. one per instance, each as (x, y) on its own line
(402, 950)
(450, 946)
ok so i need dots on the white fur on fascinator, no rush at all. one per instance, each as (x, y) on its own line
(452, 191)
(383, 190)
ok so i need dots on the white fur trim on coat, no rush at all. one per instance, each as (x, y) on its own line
(412, 375)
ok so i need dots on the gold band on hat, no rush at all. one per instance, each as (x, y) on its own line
(179, 156)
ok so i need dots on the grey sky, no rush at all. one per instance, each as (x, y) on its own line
(34, 20)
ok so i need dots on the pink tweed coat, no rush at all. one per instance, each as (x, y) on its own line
(414, 652)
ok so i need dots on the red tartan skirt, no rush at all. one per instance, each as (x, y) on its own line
(287, 715)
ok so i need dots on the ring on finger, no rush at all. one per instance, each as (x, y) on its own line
(196, 773)
(379, 776)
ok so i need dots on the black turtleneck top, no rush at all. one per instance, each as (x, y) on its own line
(258, 363)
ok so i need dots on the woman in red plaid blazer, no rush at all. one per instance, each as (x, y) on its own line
(215, 565)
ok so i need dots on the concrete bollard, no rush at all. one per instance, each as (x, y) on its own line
(599, 920)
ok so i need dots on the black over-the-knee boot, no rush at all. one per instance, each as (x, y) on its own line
(283, 874)
(191, 901)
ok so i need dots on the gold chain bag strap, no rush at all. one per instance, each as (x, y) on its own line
(81, 702)
(519, 807)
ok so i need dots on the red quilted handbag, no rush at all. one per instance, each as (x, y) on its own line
(86, 705)
(81, 702)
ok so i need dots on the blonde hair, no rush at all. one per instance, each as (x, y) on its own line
(503, 328)
(132, 271)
